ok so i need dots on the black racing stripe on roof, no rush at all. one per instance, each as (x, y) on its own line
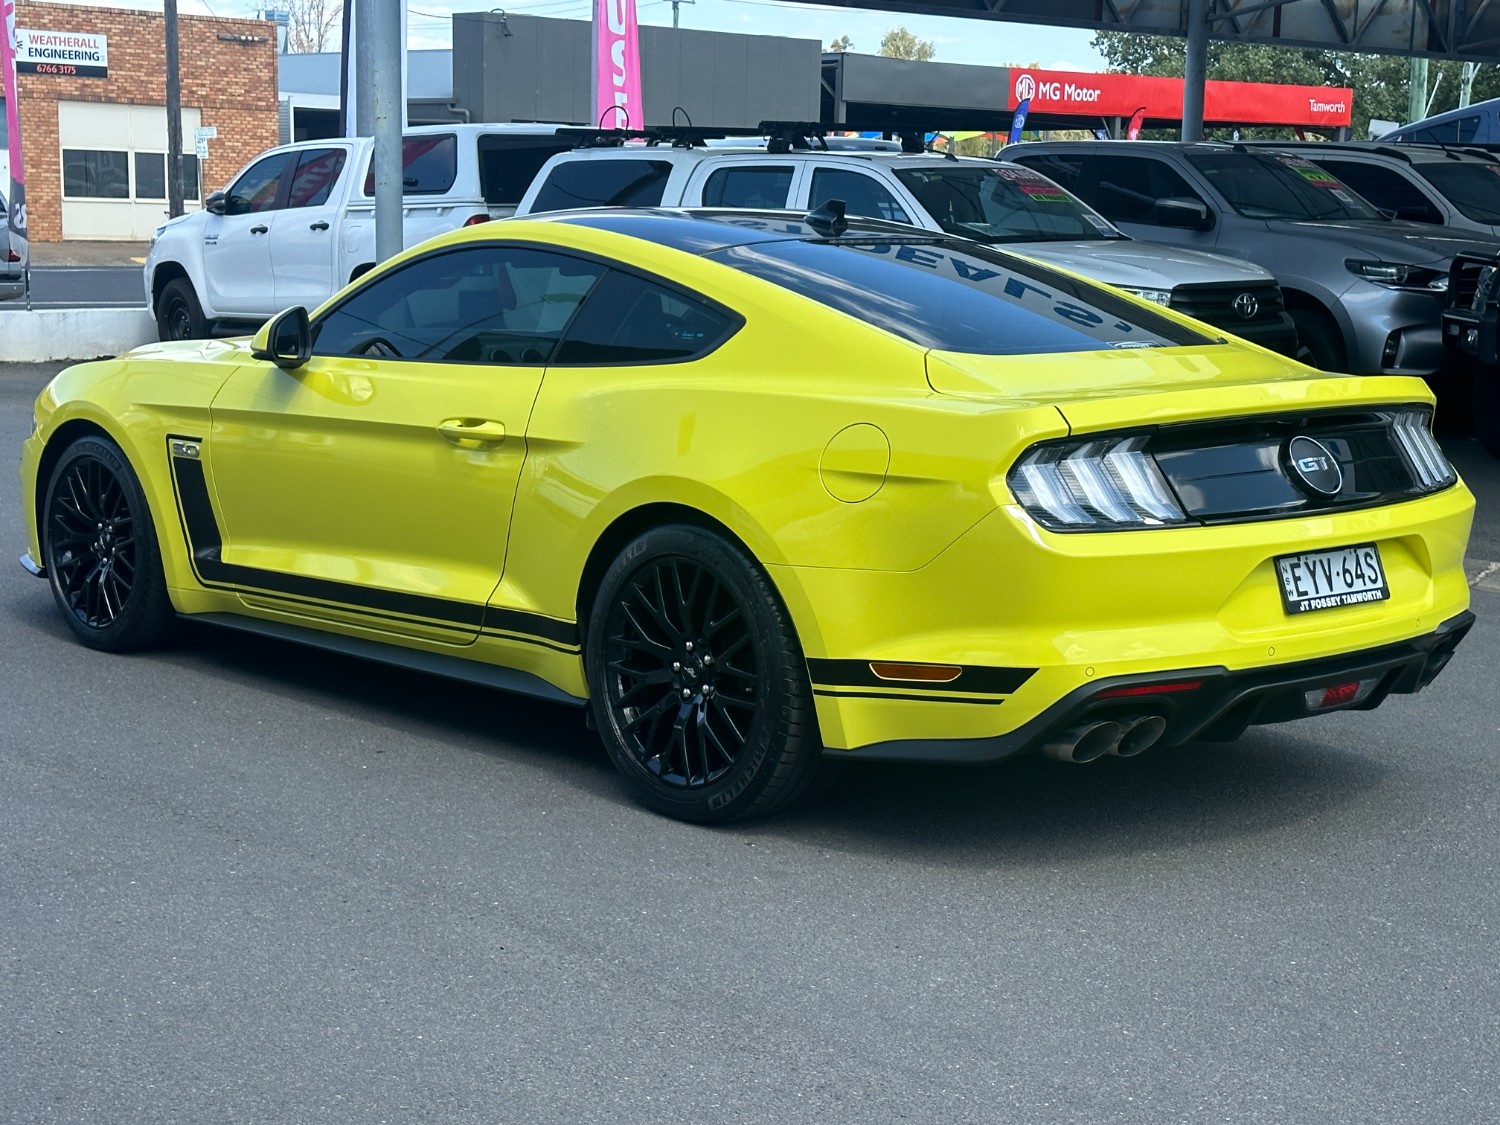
(705, 232)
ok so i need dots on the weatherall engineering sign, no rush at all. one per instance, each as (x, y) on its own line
(69, 54)
(1224, 103)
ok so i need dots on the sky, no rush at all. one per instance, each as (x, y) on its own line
(985, 42)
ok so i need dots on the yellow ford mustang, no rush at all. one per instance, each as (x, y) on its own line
(767, 494)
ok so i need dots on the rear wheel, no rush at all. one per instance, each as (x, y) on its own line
(100, 550)
(179, 316)
(699, 686)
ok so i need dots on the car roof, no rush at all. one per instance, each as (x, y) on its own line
(1405, 153)
(677, 154)
(704, 230)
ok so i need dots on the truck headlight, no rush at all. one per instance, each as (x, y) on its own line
(1155, 296)
(1399, 275)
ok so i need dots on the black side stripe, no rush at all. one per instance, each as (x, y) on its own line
(972, 679)
(206, 545)
(906, 697)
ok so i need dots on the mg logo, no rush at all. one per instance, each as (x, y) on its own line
(1025, 87)
(1315, 466)
(1246, 305)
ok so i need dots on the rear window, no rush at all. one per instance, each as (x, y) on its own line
(508, 164)
(957, 296)
(1473, 188)
(429, 165)
(603, 183)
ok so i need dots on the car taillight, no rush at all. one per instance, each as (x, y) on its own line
(1100, 484)
(1413, 432)
(475, 220)
(12, 256)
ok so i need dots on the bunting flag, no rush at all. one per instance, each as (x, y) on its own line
(617, 66)
(1018, 122)
(1137, 119)
(16, 196)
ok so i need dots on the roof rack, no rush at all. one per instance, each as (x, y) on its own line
(675, 136)
(788, 135)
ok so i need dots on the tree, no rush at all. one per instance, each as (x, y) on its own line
(309, 24)
(841, 44)
(1379, 82)
(902, 44)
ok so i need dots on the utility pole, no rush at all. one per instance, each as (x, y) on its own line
(1466, 84)
(674, 9)
(174, 116)
(1416, 93)
(386, 93)
(1195, 71)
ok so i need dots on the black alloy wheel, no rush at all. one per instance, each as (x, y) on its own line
(699, 686)
(100, 551)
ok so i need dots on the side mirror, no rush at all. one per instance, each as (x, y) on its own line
(1179, 211)
(217, 203)
(285, 339)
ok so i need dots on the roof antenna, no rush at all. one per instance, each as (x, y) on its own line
(614, 109)
(828, 220)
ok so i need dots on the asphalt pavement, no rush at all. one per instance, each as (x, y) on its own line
(84, 275)
(246, 881)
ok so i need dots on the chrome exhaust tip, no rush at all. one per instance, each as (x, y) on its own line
(1138, 735)
(1084, 742)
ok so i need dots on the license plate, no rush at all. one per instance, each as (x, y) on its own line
(1328, 579)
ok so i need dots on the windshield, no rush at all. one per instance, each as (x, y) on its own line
(1278, 186)
(1003, 203)
(1473, 188)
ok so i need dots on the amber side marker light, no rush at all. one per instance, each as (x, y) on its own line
(1148, 689)
(919, 673)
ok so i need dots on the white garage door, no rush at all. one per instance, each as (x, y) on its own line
(114, 178)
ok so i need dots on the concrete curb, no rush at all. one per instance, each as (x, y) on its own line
(42, 335)
(1483, 575)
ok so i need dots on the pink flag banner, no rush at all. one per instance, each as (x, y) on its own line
(16, 195)
(617, 66)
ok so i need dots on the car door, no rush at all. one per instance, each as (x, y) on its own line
(752, 184)
(1127, 192)
(237, 243)
(373, 486)
(304, 239)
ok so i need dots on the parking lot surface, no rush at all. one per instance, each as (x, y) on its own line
(246, 881)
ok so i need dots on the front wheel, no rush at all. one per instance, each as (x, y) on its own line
(100, 550)
(179, 316)
(1318, 342)
(699, 686)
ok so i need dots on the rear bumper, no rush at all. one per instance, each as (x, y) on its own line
(1219, 708)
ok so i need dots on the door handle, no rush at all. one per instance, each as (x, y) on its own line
(259, 230)
(477, 431)
(319, 225)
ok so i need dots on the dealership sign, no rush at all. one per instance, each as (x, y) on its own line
(1224, 103)
(70, 54)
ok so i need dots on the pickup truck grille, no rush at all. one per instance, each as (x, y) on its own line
(1226, 306)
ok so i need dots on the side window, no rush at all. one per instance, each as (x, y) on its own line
(317, 171)
(508, 164)
(603, 183)
(429, 165)
(1458, 132)
(1385, 188)
(628, 319)
(258, 188)
(479, 304)
(1063, 168)
(748, 187)
(1129, 187)
(862, 194)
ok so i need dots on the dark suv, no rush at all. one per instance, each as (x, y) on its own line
(1365, 291)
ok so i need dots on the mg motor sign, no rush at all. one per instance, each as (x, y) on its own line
(69, 54)
(1224, 103)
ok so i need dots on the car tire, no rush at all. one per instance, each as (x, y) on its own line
(100, 550)
(1486, 399)
(699, 686)
(1318, 342)
(179, 316)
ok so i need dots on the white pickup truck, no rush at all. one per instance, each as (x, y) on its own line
(298, 222)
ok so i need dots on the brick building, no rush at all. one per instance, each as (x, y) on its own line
(95, 145)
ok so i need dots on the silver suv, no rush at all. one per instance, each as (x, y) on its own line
(986, 200)
(1366, 291)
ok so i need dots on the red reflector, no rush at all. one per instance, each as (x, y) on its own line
(475, 220)
(12, 256)
(920, 673)
(1148, 689)
(1344, 693)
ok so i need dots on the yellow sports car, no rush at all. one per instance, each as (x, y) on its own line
(768, 493)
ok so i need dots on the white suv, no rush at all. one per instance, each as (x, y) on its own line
(987, 200)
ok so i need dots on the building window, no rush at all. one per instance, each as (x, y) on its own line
(151, 175)
(96, 174)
